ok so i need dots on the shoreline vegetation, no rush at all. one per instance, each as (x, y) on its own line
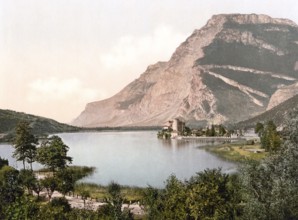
(238, 152)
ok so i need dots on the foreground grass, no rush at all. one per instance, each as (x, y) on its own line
(238, 151)
(100, 193)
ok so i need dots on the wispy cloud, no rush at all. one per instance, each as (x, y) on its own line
(54, 89)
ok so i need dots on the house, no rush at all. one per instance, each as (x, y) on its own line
(176, 126)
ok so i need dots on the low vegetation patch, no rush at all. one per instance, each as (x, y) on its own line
(100, 193)
(238, 151)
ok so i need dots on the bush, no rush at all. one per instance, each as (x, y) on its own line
(61, 202)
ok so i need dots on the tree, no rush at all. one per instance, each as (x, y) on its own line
(187, 131)
(25, 144)
(270, 139)
(28, 180)
(10, 186)
(259, 128)
(271, 186)
(66, 181)
(175, 197)
(3, 162)
(207, 132)
(57, 208)
(212, 131)
(221, 130)
(37, 187)
(152, 201)
(61, 202)
(53, 154)
(50, 184)
(116, 199)
(84, 195)
(209, 196)
(113, 209)
(23, 208)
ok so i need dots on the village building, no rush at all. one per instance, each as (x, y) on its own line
(176, 126)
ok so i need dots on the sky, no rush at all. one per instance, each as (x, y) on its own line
(58, 55)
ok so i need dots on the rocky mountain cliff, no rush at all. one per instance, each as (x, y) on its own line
(283, 94)
(224, 72)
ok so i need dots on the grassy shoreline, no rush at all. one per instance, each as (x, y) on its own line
(238, 152)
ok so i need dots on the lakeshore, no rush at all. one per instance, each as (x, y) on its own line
(210, 139)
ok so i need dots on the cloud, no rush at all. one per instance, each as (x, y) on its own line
(142, 50)
(54, 89)
(61, 99)
(131, 54)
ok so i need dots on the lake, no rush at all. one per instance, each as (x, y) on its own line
(134, 158)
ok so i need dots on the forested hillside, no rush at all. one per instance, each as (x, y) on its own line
(40, 125)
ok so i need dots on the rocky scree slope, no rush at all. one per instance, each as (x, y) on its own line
(224, 72)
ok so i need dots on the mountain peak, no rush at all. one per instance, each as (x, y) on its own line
(249, 19)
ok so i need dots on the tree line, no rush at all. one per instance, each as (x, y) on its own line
(269, 136)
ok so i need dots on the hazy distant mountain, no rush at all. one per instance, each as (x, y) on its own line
(224, 72)
(278, 114)
(40, 126)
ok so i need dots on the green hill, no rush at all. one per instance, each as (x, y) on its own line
(277, 114)
(40, 126)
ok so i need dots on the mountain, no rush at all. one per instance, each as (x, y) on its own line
(282, 94)
(277, 114)
(40, 125)
(224, 72)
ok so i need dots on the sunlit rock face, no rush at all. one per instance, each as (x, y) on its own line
(283, 94)
(224, 72)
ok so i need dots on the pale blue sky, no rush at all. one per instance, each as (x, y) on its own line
(57, 55)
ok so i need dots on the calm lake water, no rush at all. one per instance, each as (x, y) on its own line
(134, 158)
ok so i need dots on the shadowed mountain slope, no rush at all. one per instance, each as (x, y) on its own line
(278, 114)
